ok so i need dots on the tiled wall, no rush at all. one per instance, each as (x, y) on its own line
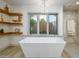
(69, 15)
(77, 27)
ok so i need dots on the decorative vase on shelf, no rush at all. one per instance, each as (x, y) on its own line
(6, 8)
(2, 31)
(17, 30)
(19, 19)
(2, 19)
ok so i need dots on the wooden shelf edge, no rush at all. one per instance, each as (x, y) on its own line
(11, 23)
(10, 13)
(15, 14)
(9, 33)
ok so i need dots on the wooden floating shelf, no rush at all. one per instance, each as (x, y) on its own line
(11, 33)
(12, 23)
(6, 11)
(15, 14)
(10, 13)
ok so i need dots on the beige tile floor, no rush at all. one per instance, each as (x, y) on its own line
(11, 52)
(70, 51)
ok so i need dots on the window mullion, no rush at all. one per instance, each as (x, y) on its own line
(47, 25)
(38, 24)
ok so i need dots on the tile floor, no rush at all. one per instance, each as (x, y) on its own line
(11, 52)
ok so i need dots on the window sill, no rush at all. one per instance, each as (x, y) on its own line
(42, 35)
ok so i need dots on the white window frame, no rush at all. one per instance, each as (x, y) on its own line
(38, 32)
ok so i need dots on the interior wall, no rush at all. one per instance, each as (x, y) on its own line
(69, 15)
(37, 9)
(34, 9)
(52, 9)
(4, 42)
(77, 27)
(14, 40)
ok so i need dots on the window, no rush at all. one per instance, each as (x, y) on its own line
(33, 24)
(52, 24)
(43, 24)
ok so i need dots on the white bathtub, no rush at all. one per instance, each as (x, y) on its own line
(42, 46)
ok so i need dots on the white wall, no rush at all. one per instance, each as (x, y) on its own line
(51, 9)
(14, 40)
(4, 42)
(37, 9)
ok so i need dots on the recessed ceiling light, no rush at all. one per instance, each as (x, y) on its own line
(77, 3)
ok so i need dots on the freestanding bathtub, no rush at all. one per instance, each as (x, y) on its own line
(40, 47)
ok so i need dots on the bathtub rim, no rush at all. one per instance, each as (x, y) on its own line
(26, 38)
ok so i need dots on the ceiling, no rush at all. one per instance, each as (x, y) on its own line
(31, 2)
(68, 4)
